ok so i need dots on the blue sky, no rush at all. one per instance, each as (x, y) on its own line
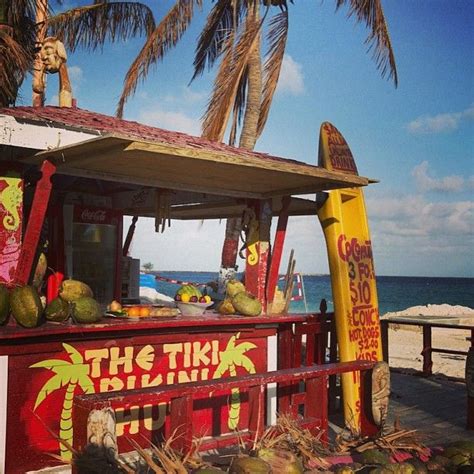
(418, 139)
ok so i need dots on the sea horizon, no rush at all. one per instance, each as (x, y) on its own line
(395, 293)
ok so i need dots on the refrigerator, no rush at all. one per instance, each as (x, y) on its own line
(93, 249)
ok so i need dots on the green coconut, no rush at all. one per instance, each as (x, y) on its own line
(234, 287)
(464, 446)
(247, 304)
(40, 270)
(86, 310)
(375, 456)
(439, 463)
(249, 465)
(58, 310)
(26, 306)
(71, 290)
(281, 461)
(4, 304)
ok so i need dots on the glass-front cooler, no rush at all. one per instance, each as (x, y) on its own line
(93, 238)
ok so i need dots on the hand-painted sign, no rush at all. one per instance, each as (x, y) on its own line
(344, 221)
(11, 201)
(46, 383)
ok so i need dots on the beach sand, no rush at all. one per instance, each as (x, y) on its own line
(406, 342)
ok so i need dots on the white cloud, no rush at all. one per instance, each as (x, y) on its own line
(413, 215)
(75, 74)
(291, 78)
(170, 120)
(441, 122)
(425, 182)
(186, 97)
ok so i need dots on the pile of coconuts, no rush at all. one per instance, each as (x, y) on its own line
(239, 301)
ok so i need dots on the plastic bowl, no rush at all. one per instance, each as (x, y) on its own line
(193, 309)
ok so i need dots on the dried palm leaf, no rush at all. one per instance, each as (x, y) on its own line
(227, 80)
(14, 64)
(164, 37)
(287, 435)
(220, 22)
(90, 26)
(239, 104)
(371, 12)
(277, 36)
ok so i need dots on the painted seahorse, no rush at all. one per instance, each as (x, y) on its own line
(11, 198)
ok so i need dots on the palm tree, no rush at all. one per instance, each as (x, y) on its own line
(17, 41)
(88, 26)
(69, 374)
(232, 357)
(242, 90)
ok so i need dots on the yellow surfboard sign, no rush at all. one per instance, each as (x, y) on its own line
(344, 222)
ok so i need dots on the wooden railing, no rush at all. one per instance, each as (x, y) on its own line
(312, 406)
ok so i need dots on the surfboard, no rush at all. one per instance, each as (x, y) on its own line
(343, 217)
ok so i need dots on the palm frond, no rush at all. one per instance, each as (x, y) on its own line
(223, 18)
(164, 37)
(92, 25)
(239, 106)
(73, 353)
(15, 61)
(371, 13)
(277, 36)
(227, 81)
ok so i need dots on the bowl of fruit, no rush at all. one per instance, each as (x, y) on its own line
(191, 302)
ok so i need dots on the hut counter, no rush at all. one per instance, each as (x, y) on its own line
(47, 366)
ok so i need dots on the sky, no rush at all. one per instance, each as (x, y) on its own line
(417, 139)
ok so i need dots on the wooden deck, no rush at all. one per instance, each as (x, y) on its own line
(435, 405)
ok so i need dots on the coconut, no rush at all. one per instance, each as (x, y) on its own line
(26, 306)
(375, 456)
(234, 287)
(225, 307)
(58, 310)
(40, 270)
(249, 465)
(247, 304)
(71, 290)
(281, 461)
(86, 310)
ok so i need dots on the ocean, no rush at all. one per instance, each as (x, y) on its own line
(395, 293)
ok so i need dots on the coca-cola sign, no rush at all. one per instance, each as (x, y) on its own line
(93, 215)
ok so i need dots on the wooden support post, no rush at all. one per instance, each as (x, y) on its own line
(35, 223)
(316, 405)
(367, 425)
(427, 352)
(384, 329)
(285, 359)
(277, 251)
(258, 249)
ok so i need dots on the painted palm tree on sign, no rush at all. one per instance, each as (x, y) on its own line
(70, 374)
(24, 23)
(245, 83)
(232, 357)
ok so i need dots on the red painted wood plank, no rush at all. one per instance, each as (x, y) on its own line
(277, 250)
(109, 325)
(180, 422)
(35, 223)
(144, 395)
